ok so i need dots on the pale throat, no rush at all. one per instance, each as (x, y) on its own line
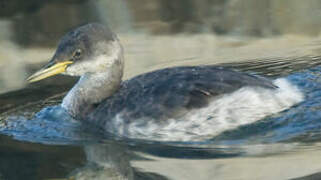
(100, 78)
(92, 88)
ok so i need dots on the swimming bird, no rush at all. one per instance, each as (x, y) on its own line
(188, 103)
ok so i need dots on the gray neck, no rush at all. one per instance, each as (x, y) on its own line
(92, 88)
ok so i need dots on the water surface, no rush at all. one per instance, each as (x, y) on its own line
(283, 146)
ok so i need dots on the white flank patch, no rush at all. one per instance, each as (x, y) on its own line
(244, 106)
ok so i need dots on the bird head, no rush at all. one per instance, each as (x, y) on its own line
(91, 48)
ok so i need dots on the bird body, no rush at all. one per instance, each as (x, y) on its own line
(190, 103)
(173, 104)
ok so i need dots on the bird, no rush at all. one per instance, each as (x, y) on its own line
(184, 103)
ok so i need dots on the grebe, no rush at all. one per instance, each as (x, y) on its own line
(189, 103)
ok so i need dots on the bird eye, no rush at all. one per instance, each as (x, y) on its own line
(77, 53)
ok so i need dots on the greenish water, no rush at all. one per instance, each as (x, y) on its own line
(49, 145)
(269, 38)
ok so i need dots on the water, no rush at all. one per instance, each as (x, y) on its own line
(282, 146)
(280, 38)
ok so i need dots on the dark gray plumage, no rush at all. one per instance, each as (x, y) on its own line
(166, 93)
(85, 39)
(180, 103)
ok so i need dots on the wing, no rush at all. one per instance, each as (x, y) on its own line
(170, 92)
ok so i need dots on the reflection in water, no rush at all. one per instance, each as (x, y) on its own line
(111, 160)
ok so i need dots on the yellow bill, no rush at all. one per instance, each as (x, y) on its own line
(50, 71)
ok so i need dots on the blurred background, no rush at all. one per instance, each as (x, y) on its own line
(160, 33)
(156, 34)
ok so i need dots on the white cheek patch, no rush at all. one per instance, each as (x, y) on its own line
(106, 55)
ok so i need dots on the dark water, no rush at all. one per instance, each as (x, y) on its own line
(52, 145)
